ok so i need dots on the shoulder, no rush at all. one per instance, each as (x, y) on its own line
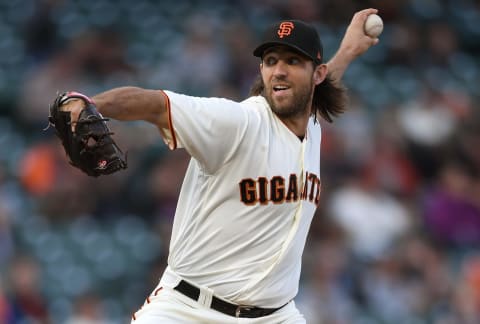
(314, 130)
(258, 103)
(187, 100)
(314, 124)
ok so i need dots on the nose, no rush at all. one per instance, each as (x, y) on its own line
(281, 69)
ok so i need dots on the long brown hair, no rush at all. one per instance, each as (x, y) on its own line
(329, 97)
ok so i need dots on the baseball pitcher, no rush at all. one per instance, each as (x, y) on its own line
(253, 182)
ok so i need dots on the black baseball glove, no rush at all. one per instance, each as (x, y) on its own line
(89, 146)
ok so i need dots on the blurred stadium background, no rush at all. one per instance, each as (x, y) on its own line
(397, 234)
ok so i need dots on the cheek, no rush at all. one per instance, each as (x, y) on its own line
(265, 80)
(265, 74)
(307, 80)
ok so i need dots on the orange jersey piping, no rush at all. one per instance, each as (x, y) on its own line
(170, 122)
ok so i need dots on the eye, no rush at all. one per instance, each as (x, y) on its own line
(269, 60)
(294, 60)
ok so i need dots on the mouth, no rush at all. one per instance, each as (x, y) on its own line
(280, 89)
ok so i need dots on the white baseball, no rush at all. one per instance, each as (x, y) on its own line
(373, 26)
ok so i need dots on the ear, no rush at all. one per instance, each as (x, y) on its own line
(320, 73)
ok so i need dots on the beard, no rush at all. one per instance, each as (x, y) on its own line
(296, 105)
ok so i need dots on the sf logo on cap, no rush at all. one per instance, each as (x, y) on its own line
(285, 29)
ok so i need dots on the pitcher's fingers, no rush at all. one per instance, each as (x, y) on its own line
(360, 16)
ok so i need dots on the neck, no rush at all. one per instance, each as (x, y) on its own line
(297, 125)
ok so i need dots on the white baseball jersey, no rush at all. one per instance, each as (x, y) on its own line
(247, 201)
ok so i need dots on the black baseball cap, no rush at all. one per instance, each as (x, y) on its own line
(295, 34)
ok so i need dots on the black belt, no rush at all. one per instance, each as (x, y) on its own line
(223, 306)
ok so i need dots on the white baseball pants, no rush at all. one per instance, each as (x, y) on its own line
(168, 306)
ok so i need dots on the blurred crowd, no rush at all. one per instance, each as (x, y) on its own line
(396, 238)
